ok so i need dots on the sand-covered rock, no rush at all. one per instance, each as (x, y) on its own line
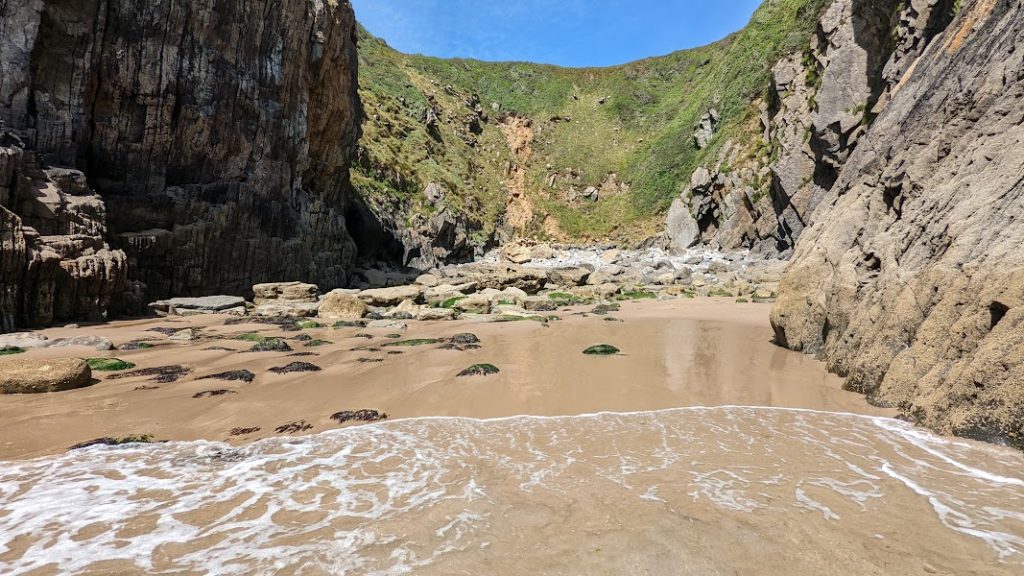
(34, 375)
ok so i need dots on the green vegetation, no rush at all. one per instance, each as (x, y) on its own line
(742, 301)
(251, 337)
(564, 298)
(601, 350)
(636, 295)
(349, 324)
(518, 318)
(634, 121)
(479, 370)
(451, 302)
(307, 324)
(11, 350)
(316, 343)
(720, 293)
(108, 364)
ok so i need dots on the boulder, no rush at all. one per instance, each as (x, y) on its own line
(517, 253)
(387, 325)
(284, 309)
(681, 228)
(275, 292)
(428, 280)
(429, 314)
(94, 342)
(570, 276)
(341, 305)
(33, 376)
(475, 304)
(391, 296)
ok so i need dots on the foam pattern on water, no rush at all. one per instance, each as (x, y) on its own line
(397, 497)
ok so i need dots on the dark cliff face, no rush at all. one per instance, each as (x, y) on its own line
(911, 279)
(217, 133)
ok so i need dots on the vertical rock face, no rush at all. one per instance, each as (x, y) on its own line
(911, 279)
(819, 106)
(217, 132)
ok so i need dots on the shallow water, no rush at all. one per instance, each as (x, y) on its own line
(684, 491)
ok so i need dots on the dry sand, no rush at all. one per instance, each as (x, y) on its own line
(708, 352)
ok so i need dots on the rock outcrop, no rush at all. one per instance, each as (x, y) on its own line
(218, 134)
(762, 194)
(55, 263)
(910, 281)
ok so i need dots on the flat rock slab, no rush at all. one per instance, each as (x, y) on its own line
(207, 303)
(35, 376)
(391, 296)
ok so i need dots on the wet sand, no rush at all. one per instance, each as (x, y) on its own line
(708, 352)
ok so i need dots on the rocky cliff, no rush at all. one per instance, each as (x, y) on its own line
(910, 281)
(218, 135)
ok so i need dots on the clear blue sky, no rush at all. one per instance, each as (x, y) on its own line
(565, 32)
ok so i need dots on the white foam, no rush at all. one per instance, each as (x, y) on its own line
(394, 497)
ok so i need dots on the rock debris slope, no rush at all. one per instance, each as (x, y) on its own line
(218, 134)
(911, 279)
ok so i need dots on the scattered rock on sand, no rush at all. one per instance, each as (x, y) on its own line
(244, 431)
(479, 370)
(213, 393)
(135, 345)
(160, 374)
(358, 416)
(120, 441)
(296, 367)
(231, 376)
(271, 345)
(109, 364)
(186, 335)
(387, 325)
(33, 376)
(294, 427)
(601, 350)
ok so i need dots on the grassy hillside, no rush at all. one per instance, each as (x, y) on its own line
(635, 121)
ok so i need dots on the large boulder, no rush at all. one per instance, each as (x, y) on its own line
(342, 305)
(391, 296)
(681, 228)
(276, 292)
(34, 375)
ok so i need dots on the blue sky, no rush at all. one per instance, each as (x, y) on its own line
(565, 32)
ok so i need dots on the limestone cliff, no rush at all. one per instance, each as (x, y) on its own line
(218, 134)
(910, 281)
(762, 190)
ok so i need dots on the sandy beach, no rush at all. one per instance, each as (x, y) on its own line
(707, 352)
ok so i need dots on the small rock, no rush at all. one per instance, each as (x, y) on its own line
(387, 325)
(186, 335)
(358, 416)
(296, 367)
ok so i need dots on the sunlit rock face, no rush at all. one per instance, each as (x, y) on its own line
(911, 278)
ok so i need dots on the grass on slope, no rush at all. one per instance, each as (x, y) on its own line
(635, 120)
